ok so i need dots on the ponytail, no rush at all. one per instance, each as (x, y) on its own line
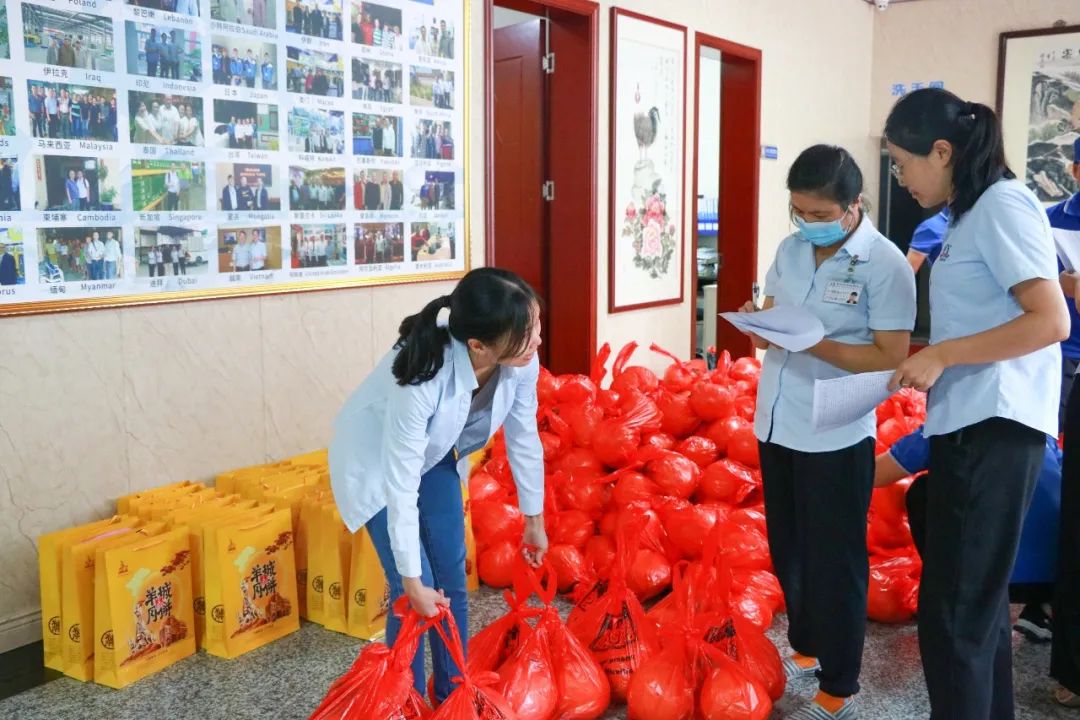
(923, 117)
(490, 305)
(980, 159)
(421, 343)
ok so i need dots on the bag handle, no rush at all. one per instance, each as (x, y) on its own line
(622, 358)
(542, 581)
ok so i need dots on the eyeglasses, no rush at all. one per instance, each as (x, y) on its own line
(897, 171)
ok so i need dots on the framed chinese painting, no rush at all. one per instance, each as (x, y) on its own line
(1038, 100)
(646, 264)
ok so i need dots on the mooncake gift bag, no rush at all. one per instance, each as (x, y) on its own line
(369, 593)
(77, 595)
(336, 556)
(50, 564)
(255, 562)
(143, 608)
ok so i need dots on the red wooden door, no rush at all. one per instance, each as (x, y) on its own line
(520, 242)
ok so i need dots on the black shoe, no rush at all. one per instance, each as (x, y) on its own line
(1034, 624)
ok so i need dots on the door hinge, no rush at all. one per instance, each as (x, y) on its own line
(547, 62)
(547, 190)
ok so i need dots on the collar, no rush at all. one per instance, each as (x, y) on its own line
(1072, 205)
(859, 244)
(464, 377)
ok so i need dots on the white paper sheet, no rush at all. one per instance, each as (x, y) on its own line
(787, 326)
(1067, 243)
(844, 400)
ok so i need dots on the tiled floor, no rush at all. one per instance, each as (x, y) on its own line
(286, 680)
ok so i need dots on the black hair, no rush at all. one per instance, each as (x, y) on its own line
(923, 117)
(488, 304)
(828, 171)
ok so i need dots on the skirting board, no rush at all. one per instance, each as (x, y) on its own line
(20, 630)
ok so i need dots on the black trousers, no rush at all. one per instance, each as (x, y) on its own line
(977, 493)
(1065, 653)
(816, 506)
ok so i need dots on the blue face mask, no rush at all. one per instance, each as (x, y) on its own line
(822, 234)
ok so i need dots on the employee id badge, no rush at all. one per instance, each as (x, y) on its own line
(842, 292)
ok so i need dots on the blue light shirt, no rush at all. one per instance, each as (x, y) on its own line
(886, 302)
(1003, 241)
(387, 436)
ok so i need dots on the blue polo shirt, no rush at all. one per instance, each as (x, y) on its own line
(927, 237)
(1036, 558)
(1065, 217)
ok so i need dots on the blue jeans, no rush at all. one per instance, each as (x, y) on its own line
(110, 270)
(442, 561)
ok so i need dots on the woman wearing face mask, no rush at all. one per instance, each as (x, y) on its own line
(818, 485)
(451, 380)
(993, 372)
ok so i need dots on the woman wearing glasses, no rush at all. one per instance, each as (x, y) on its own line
(818, 485)
(993, 375)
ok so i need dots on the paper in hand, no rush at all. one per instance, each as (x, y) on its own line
(841, 401)
(790, 327)
(1067, 244)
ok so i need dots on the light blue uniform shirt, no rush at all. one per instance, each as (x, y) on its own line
(885, 302)
(387, 436)
(1002, 241)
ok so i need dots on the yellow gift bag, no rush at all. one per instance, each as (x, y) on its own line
(208, 586)
(193, 521)
(77, 595)
(258, 577)
(143, 612)
(335, 555)
(472, 574)
(50, 564)
(123, 504)
(309, 535)
(369, 593)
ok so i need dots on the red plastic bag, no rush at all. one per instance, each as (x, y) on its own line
(489, 648)
(635, 378)
(711, 401)
(494, 521)
(633, 487)
(663, 688)
(745, 368)
(729, 693)
(742, 447)
(660, 441)
(570, 566)
(679, 418)
(676, 475)
(584, 693)
(893, 594)
(379, 684)
(616, 439)
(720, 432)
(482, 487)
(680, 376)
(582, 418)
(611, 623)
(649, 574)
(475, 697)
(699, 449)
(689, 525)
(527, 678)
(572, 527)
(546, 387)
(727, 481)
(495, 563)
(600, 554)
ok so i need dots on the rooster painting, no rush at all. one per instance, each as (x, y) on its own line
(645, 128)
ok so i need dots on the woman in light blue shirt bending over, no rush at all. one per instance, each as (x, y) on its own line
(993, 372)
(818, 484)
(450, 382)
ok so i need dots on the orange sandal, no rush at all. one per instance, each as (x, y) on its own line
(1066, 698)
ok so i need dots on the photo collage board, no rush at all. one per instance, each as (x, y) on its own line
(154, 150)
